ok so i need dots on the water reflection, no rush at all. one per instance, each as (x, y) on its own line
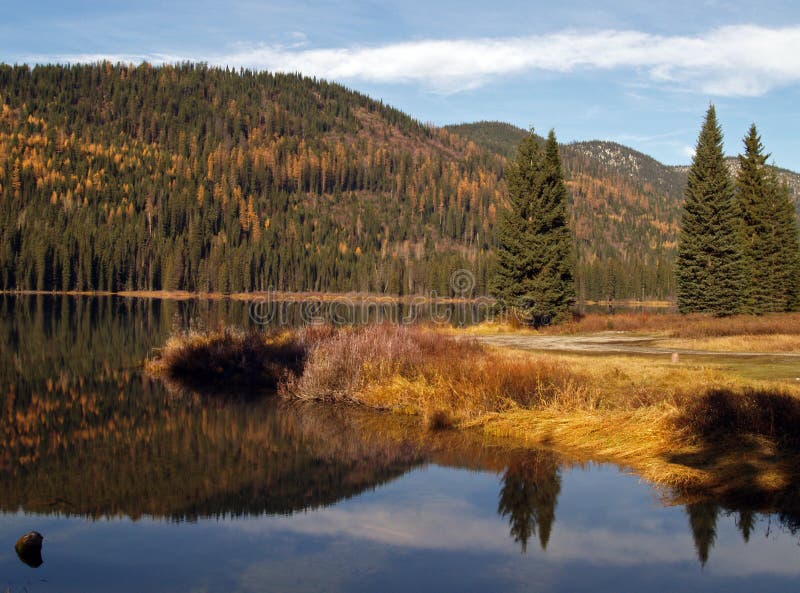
(83, 434)
(531, 484)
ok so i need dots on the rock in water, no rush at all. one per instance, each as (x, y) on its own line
(29, 549)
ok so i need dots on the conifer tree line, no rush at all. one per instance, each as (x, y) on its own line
(535, 255)
(738, 250)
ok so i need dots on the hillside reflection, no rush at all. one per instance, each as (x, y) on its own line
(84, 433)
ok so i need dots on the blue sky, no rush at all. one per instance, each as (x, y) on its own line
(640, 73)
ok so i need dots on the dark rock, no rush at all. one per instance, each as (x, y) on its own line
(29, 549)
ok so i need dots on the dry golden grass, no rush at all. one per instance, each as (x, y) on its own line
(684, 326)
(679, 426)
(786, 343)
(419, 371)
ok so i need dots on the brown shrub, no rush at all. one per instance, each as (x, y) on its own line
(341, 365)
(415, 369)
(216, 359)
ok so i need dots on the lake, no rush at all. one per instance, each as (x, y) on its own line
(141, 486)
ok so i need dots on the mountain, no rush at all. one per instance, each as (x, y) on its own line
(626, 209)
(118, 177)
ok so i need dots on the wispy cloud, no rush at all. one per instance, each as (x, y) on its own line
(431, 525)
(741, 60)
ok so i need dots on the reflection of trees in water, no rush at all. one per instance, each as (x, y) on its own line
(531, 484)
(201, 460)
(703, 522)
(82, 432)
(704, 515)
(745, 522)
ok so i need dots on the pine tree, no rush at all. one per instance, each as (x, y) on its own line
(710, 263)
(557, 260)
(535, 263)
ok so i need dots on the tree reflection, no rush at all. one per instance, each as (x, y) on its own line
(703, 522)
(72, 405)
(746, 522)
(531, 484)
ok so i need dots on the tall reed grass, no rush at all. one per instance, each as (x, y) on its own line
(232, 358)
(419, 371)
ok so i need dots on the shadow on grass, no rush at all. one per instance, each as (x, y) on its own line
(749, 443)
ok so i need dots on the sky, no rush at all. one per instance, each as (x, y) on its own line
(638, 73)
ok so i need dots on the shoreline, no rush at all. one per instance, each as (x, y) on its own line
(691, 428)
(289, 296)
(181, 295)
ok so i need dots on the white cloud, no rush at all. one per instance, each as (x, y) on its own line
(741, 60)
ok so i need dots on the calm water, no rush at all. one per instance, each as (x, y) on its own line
(137, 487)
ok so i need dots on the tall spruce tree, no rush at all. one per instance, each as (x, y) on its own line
(535, 262)
(784, 264)
(710, 264)
(751, 185)
(769, 232)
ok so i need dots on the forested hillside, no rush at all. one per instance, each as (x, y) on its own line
(116, 177)
(189, 177)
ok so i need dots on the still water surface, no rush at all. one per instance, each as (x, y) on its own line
(137, 487)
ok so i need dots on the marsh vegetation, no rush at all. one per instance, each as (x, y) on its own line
(689, 427)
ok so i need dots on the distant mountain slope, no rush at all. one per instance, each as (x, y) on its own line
(625, 212)
(495, 136)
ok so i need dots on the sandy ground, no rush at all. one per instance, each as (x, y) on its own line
(764, 366)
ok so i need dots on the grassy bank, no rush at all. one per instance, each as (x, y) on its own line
(690, 428)
(673, 325)
(779, 343)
